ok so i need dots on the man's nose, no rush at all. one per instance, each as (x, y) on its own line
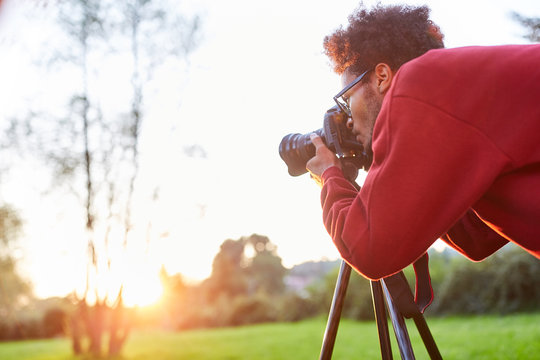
(349, 123)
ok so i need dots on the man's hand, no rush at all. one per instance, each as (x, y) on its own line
(323, 159)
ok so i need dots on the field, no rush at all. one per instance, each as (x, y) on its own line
(505, 337)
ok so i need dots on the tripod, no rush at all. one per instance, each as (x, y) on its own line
(400, 303)
(388, 289)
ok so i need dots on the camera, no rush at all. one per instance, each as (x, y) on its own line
(297, 149)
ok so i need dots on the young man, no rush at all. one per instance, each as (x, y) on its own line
(455, 140)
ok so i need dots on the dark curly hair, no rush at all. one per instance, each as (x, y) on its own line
(391, 34)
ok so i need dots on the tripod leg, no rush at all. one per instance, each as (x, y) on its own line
(429, 342)
(335, 311)
(400, 328)
(380, 318)
(400, 295)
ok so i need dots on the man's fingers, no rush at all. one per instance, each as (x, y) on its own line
(316, 140)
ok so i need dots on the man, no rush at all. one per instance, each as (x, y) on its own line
(455, 139)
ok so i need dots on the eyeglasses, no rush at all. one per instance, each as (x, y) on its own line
(344, 103)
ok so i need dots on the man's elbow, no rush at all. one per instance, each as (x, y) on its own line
(371, 267)
(476, 256)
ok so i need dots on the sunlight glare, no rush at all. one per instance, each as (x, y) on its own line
(142, 290)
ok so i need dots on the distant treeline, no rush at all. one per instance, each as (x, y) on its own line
(48, 324)
(257, 288)
(506, 282)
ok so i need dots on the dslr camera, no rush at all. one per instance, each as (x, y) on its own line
(297, 149)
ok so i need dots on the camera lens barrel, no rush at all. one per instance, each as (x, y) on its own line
(296, 150)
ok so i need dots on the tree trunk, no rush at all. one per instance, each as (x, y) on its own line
(77, 322)
(119, 329)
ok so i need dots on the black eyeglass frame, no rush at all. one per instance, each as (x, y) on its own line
(341, 103)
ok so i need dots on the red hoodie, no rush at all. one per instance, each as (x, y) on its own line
(456, 156)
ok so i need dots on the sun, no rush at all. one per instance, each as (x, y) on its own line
(139, 286)
(136, 277)
(142, 289)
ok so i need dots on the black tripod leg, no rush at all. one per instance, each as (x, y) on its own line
(335, 311)
(380, 318)
(400, 327)
(425, 333)
(401, 296)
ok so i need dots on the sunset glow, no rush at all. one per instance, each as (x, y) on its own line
(235, 184)
(142, 291)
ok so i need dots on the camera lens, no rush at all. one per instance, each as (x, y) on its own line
(296, 150)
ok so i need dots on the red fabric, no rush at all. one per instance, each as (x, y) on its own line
(456, 155)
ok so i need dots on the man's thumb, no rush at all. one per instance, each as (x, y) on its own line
(316, 140)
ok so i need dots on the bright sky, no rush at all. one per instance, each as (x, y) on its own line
(258, 75)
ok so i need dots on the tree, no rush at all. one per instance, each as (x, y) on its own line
(94, 151)
(531, 24)
(13, 288)
(245, 286)
(228, 277)
(247, 266)
(10, 227)
(174, 298)
(266, 272)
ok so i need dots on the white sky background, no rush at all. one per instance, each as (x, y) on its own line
(258, 75)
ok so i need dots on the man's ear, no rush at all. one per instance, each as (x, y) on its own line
(383, 77)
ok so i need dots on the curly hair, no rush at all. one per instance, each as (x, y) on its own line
(391, 34)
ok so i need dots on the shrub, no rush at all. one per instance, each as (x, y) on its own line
(506, 282)
(53, 322)
(252, 310)
(294, 307)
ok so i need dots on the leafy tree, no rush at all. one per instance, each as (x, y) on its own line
(244, 287)
(174, 299)
(266, 272)
(13, 288)
(94, 151)
(531, 24)
(10, 227)
(228, 277)
(246, 266)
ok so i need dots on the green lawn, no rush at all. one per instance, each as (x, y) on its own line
(508, 337)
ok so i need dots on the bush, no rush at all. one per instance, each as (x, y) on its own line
(358, 304)
(464, 290)
(252, 310)
(53, 322)
(506, 282)
(294, 307)
(516, 283)
(231, 311)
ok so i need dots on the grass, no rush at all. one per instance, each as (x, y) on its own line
(486, 337)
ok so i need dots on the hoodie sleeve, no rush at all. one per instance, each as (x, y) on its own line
(427, 172)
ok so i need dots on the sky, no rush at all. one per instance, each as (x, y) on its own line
(258, 74)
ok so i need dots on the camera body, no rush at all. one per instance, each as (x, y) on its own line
(297, 149)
